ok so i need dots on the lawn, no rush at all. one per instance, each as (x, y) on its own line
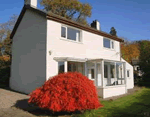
(135, 105)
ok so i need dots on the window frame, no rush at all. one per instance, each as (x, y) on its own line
(77, 40)
(66, 32)
(111, 41)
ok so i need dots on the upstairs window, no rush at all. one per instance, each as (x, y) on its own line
(70, 34)
(107, 43)
(63, 32)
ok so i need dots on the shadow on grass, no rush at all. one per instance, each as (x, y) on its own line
(23, 105)
(136, 105)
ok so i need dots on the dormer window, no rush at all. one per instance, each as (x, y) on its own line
(70, 33)
(107, 43)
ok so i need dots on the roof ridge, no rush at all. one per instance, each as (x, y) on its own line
(64, 20)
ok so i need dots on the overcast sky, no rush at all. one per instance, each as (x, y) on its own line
(131, 18)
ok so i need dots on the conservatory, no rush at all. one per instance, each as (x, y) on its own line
(108, 76)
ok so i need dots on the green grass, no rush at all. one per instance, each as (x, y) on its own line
(135, 105)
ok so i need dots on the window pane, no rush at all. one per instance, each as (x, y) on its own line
(60, 67)
(73, 34)
(76, 66)
(112, 70)
(107, 43)
(92, 73)
(105, 71)
(119, 70)
(63, 32)
(120, 73)
(69, 67)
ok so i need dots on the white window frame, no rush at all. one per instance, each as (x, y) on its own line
(110, 44)
(77, 40)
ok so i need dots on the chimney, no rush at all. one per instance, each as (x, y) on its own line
(31, 3)
(95, 24)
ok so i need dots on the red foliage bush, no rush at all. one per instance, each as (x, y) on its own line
(66, 92)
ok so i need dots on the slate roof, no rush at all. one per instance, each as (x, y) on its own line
(61, 20)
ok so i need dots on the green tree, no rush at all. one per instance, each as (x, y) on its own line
(5, 31)
(130, 51)
(113, 31)
(70, 9)
(145, 61)
(5, 44)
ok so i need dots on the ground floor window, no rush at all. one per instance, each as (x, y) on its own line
(76, 66)
(71, 67)
(113, 73)
(61, 67)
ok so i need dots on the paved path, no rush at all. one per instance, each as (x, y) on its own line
(7, 100)
(13, 104)
(14, 112)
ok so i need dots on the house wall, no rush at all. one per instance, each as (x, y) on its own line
(113, 91)
(110, 91)
(91, 47)
(28, 69)
(130, 79)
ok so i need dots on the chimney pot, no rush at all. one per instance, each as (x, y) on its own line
(95, 24)
(31, 3)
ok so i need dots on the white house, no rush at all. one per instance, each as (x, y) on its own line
(45, 45)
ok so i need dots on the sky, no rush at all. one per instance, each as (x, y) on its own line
(131, 18)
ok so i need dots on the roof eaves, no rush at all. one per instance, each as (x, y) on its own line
(82, 27)
(61, 20)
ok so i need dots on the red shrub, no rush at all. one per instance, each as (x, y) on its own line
(66, 92)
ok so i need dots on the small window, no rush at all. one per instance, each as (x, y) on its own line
(63, 32)
(70, 34)
(107, 43)
(128, 73)
(61, 67)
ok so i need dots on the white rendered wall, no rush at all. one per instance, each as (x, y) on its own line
(28, 70)
(91, 47)
(130, 79)
(113, 91)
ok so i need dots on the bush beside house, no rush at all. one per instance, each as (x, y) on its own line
(66, 92)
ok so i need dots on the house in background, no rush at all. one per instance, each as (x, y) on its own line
(45, 45)
(136, 67)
